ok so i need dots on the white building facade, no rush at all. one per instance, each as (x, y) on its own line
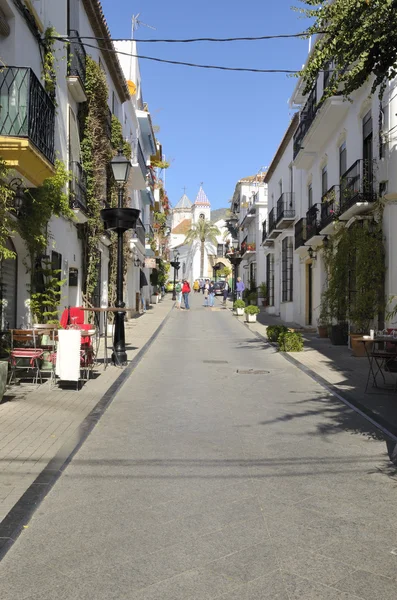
(36, 129)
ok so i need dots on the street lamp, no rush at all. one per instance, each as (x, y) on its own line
(235, 259)
(120, 220)
(19, 197)
(175, 265)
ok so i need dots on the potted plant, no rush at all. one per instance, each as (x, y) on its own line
(290, 341)
(239, 306)
(155, 297)
(263, 293)
(323, 319)
(251, 313)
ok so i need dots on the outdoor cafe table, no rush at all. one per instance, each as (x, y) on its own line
(98, 310)
(378, 359)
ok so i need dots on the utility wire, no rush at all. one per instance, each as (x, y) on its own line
(303, 35)
(187, 64)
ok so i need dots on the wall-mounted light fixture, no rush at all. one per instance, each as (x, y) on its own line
(312, 254)
(19, 198)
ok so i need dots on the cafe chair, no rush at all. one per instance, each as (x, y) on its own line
(25, 347)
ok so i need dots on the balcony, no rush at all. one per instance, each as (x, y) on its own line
(300, 237)
(139, 169)
(27, 124)
(357, 189)
(273, 230)
(318, 123)
(148, 137)
(307, 116)
(285, 210)
(313, 227)
(139, 234)
(78, 191)
(330, 209)
(76, 67)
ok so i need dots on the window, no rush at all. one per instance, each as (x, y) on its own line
(324, 180)
(327, 74)
(270, 278)
(342, 159)
(202, 216)
(220, 251)
(56, 264)
(73, 15)
(382, 145)
(280, 187)
(291, 178)
(115, 105)
(287, 270)
(253, 275)
(310, 195)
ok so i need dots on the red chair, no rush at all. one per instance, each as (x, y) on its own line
(27, 341)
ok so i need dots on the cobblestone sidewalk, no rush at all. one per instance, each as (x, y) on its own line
(36, 421)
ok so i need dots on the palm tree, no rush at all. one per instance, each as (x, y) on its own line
(202, 231)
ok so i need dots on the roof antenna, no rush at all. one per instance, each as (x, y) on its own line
(136, 23)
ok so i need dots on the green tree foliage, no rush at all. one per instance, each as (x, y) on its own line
(204, 232)
(359, 36)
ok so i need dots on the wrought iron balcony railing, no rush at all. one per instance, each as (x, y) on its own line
(140, 232)
(300, 233)
(307, 116)
(26, 110)
(313, 221)
(357, 184)
(286, 206)
(272, 220)
(78, 186)
(138, 157)
(264, 231)
(77, 57)
(330, 206)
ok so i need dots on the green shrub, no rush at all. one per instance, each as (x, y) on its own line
(251, 310)
(290, 342)
(239, 304)
(273, 331)
(252, 298)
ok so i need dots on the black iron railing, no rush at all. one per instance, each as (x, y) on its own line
(264, 231)
(357, 184)
(78, 186)
(77, 57)
(330, 206)
(307, 116)
(140, 232)
(272, 220)
(286, 206)
(313, 221)
(26, 110)
(300, 233)
(138, 157)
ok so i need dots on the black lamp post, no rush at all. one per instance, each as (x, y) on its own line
(175, 265)
(120, 220)
(235, 259)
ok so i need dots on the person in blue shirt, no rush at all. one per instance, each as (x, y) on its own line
(240, 287)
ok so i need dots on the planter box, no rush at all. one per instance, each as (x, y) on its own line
(338, 334)
(357, 347)
(155, 299)
(251, 318)
(240, 312)
(323, 331)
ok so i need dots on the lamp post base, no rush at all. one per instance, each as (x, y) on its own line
(119, 357)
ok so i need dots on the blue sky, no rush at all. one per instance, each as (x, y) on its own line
(215, 126)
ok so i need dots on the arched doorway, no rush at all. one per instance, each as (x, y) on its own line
(8, 289)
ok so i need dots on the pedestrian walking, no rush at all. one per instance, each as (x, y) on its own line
(178, 293)
(206, 292)
(240, 287)
(196, 286)
(211, 294)
(185, 293)
(202, 282)
(225, 293)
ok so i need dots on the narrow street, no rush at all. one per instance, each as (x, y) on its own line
(221, 471)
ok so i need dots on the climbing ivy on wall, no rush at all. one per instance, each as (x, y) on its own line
(6, 207)
(96, 153)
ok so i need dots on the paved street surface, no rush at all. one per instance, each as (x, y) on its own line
(205, 480)
(36, 421)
